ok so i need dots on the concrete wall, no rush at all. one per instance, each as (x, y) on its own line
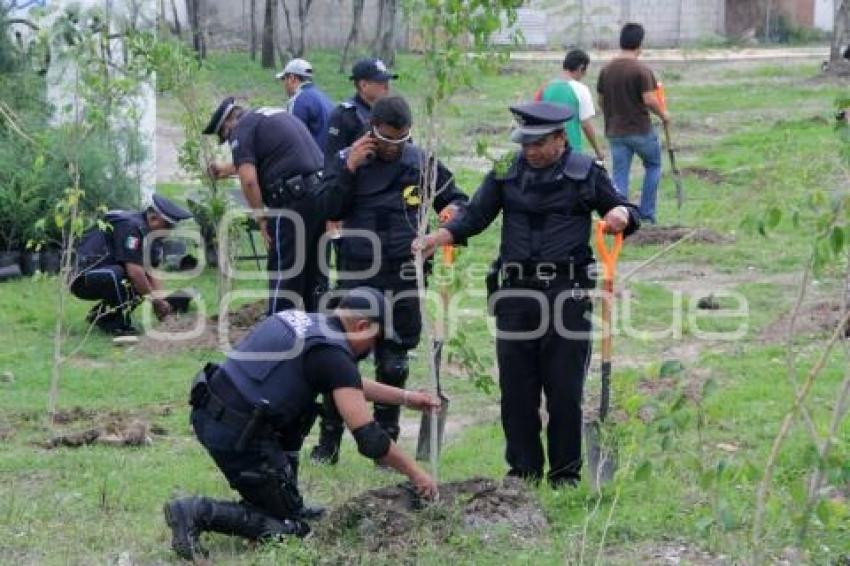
(824, 17)
(328, 22)
(668, 22)
(597, 23)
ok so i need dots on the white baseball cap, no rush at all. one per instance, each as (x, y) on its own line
(298, 67)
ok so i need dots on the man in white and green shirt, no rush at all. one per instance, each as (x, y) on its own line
(570, 91)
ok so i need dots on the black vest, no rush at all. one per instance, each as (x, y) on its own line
(97, 246)
(268, 363)
(548, 221)
(386, 203)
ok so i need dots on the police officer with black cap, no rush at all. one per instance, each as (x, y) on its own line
(373, 187)
(350, 119)
(110, 264)
(252, 413)
(546, 194)
(279, 167)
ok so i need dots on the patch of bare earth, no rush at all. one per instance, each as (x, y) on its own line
(394, 521)
(112, 428)
(187, 332)
(815, 317)
(664, 235)
(665, 553)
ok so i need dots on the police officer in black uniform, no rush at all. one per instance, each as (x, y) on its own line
(110, 264)
(252, 413)
(546, 194)
(373, 187)
(350, 119)
(279, 167)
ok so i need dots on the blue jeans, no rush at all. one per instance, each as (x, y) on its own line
(648, 148)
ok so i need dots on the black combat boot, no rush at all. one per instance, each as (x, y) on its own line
(189, 517)
(327, 450)
(307, 512)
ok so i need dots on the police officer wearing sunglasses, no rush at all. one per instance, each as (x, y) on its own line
(373, 187)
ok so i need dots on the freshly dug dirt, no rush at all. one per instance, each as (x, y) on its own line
(111, 429)
(664, 235)
(819, 317)
(394, 520)
(710, 175)
(239, 321)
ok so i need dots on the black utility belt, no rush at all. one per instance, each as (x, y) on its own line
(550, 272)
(282, 192)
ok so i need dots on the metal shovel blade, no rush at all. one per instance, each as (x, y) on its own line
(423, 445)
(601, 459)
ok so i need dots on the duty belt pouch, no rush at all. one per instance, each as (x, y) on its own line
(295, 187)
(199, 393)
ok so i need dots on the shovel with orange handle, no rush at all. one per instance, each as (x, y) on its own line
(602, 462)
(427, 442)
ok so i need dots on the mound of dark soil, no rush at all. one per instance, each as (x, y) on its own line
(393, 519)
(665, 235)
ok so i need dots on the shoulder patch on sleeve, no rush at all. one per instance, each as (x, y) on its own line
(132, 242)
(346, 104)
(333, 131)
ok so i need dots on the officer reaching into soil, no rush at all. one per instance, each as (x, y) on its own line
(252, 413)
(546, 194)
(110, 265)
(373, 188)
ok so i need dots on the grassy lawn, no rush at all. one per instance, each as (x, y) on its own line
(691, 444)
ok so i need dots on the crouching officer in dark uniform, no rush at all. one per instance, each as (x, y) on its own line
(279, 167)
(252, 413)
(546, 194)
(110, 264)
(373, 187)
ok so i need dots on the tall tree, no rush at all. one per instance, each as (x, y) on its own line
(194, 9)
(387, 31)
(253, 30)
(840, 26)
(297, 45)
(353, 32)
(267, 60)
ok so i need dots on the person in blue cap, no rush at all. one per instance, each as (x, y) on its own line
(546, 194)
(279, 167)
(306, 101)
(252, 413)
(350, 119)
(373, 187)
(111, 268)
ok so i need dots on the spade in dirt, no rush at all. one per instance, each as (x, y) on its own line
(602, 459)
(428, 443)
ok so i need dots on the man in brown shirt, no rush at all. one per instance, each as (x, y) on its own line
(627, 94)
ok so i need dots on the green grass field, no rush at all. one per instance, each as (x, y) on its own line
(689, 464)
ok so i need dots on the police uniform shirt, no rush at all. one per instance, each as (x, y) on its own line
(276, 143)
(348, 122)
(595, 192)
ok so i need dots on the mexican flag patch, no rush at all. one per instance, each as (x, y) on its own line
(132, 242)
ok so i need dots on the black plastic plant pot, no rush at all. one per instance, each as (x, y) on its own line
(50, 261)
(30, 263)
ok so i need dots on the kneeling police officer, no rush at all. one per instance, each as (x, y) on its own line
(253, 412)
(110, 264)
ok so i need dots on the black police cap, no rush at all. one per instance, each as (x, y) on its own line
(366, 301)
(371, 70)
(169, 211)
(218, 117)
(537, 119)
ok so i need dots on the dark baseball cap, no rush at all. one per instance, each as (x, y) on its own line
(371, 70)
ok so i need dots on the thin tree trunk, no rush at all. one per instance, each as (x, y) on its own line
(840, 24)
(386, 49)
(354, 32)
(373, 46)
(177, 29)
(253, 30)
(267, 60)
